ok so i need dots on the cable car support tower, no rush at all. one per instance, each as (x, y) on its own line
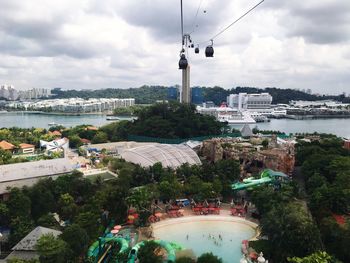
(185, 92)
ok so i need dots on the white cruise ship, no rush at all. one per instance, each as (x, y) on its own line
(227, 114)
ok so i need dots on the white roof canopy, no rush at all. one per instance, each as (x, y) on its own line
(168, 155)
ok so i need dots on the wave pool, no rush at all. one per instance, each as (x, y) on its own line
(202, 234)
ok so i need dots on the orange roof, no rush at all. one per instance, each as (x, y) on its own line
(56, 133)
(91, 128)
(26, 146)
(83, 140)
(6, 145)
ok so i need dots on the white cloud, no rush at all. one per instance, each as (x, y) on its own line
(128, 43)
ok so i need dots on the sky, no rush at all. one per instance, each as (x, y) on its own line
(94, 44)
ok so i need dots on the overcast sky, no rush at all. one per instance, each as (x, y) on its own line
(77, 44)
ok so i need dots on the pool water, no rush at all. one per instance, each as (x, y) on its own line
(203, 235)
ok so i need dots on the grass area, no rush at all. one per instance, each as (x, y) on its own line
(104, 176)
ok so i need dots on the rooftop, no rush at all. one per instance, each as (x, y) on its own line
(29, 241)
(26, 146)
(6, 145)
(169, 155)
(28, 173)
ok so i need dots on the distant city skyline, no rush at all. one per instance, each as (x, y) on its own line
(89, 44)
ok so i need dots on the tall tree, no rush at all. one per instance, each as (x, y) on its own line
(52, 249)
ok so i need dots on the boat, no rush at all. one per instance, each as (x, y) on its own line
(112, 118)
(258, 117)
(232, 116)
(53, 124)
(227, 114)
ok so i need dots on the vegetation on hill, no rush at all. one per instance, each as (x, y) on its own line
(151, 94)
(142, 95)
(165, 120)
(298, 225)
(326, 170)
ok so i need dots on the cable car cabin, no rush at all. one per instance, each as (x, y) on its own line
(209, 51)
(183, 62)
(196, 50)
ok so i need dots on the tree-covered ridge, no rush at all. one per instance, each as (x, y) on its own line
(151, 94)
(165, 120)
(326, 169)
(142, 95)
(300, 222)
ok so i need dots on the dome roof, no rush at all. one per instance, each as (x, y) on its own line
(170, 155)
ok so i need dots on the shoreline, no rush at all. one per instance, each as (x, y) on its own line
(58, 113)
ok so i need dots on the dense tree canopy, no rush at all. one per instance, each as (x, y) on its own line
(325, 167)
(166, 120)
(52, 249)
(148, 253)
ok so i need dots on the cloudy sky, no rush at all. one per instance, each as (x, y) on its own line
(77, 44)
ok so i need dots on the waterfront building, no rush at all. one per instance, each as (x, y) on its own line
(259, 102)
(331, 104)
(75, 105)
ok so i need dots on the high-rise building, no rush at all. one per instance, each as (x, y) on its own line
(173, 93)
(8, 92)
(197, 95)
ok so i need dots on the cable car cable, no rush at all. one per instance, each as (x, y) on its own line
(234, 22)
(182, 25)
(195, 17)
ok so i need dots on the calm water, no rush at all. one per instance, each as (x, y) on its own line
(28, 120)
(203, 236)
(340, 127)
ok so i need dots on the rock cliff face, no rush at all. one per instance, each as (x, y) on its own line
(251, 154)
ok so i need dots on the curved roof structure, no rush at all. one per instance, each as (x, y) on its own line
(170, 155)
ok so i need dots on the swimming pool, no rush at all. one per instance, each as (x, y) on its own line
(202, 234)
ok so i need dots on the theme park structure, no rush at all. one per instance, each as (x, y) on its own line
(266, 177)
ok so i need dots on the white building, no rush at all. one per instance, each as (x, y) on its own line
(260, 103)
(318, 103)
(10, 93)
(76, 105)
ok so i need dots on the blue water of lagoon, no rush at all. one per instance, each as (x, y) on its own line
(339, 127)
(203, 236)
